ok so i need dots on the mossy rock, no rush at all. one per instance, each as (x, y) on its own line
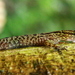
(38, 61)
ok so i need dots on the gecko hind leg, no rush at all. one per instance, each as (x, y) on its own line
(57, 47)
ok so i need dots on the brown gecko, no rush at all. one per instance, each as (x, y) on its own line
(42, 39)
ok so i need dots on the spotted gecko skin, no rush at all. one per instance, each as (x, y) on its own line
(37, 39)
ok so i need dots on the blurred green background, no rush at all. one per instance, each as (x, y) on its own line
(38, 16)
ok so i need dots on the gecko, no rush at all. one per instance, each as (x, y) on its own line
(42, 39)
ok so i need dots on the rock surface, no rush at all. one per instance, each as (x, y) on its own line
(38, 61)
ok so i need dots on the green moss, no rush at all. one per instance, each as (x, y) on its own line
(39, 60)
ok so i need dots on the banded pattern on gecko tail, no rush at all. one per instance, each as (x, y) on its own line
(22, 41)
(37, 39)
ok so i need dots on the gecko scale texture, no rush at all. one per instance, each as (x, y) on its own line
(37, 39)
